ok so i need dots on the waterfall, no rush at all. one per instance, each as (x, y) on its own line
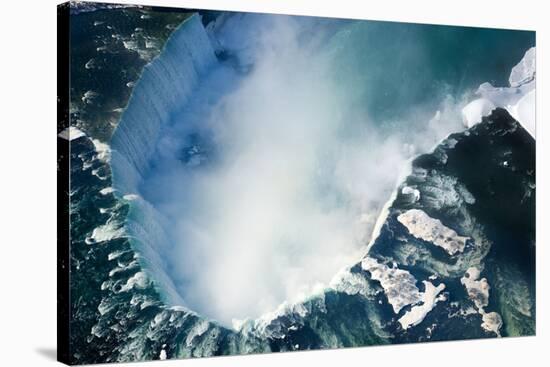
(165, 84)
(148, 235)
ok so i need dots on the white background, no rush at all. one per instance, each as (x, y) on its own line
(28, 181)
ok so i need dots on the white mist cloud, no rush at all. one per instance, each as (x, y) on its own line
(294, 187)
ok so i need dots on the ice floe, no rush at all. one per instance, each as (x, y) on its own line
(399, 285)
(422, 226)
(491, 322)
(417, 313)
(478, 292)
(401, 290)
(478, 289)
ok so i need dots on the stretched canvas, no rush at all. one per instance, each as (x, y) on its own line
(234, 183)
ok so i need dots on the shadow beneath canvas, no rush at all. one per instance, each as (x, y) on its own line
(49, 353)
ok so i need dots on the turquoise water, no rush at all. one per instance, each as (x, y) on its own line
(396, 69)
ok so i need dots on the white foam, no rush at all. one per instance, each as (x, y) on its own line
(200, 328)
(407, 190)
(115, 255)
(351, 283)
(444, 191)
(89, 96)
(105, 232)
(103, 154)
(422, 226)
(238, 324)
(138, 280)
(90, 64)
(119, 269)
(405, 171)
(259, 325)
(103, 150)
(106, 190)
